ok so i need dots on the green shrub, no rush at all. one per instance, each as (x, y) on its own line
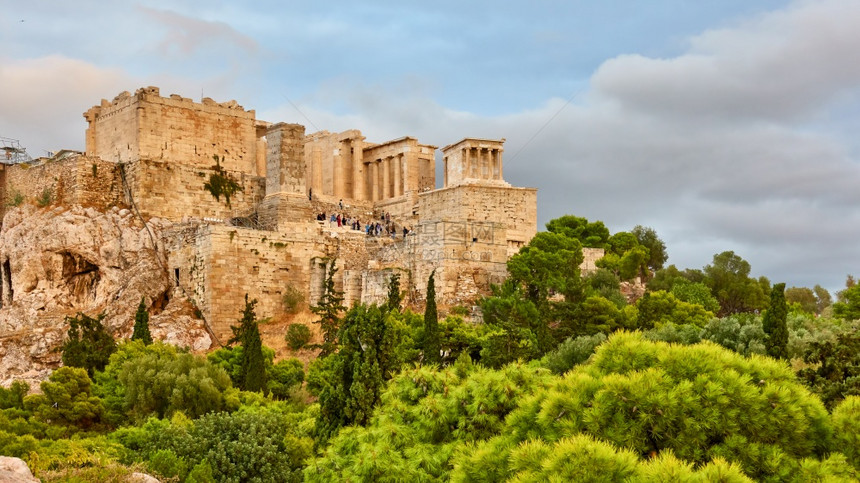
(45, 198)
(166, 464)
(298, 335)
(846, 429)
(293, 299)
(571, 352)
(15, 198)
(285, 376)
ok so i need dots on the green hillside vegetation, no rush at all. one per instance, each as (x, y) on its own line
(711, 375)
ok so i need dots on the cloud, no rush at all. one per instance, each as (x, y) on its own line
(43, 100)
(186, 36)
(718, 148)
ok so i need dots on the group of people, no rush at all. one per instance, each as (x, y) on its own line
(383, 227)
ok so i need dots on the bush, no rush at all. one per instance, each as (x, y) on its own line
(298, 335)
(15, 198)
(284, 376)
(89, 345)
(45, 198)
(571, 352)
(293, 299)
(166, 464)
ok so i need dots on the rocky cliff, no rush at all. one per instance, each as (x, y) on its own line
(58, 261)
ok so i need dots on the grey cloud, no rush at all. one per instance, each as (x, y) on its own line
(189, 35)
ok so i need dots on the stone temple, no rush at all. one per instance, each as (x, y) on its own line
(166, 159)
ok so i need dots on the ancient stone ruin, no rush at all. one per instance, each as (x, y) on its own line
(202, 202)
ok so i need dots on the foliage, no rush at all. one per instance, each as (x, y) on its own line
(848, 307)
(660, 307)
(730, 283)
(834, 371)
(328, 309)
(298, 335)
(741, 333)
(822, 298)
(45, 198)
(773, 324)
(590, 234)
(350, 381)
(606, 284)
(252, 367)
(647, 237)
(695, 293)
(67, 400)
(141, 324)
(15, 198)
(88, 344)
(166, 464)
(253, 445)
(13, 397)
(424, 416)
(846, 428)
(516, 329)
(549, 264)
(395, 297)
(292, 299)
(230, 359)
(159, 380)
(284, 377)
(675, 334)
(430, 340)
(700, 403)
(804, 297)
(572, 352)
(221, 182)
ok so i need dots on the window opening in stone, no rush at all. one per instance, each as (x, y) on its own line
(7, 282)
(176, 276)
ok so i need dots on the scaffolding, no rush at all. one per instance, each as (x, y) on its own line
(11, 151)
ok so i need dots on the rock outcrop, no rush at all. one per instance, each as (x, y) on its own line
(14, 470)
(58, 261)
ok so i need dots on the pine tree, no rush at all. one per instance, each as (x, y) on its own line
(89, 344)
(141, 324)
(253, 366)
(774, 323)
(431, 324)
(329, 309)
(394, 295)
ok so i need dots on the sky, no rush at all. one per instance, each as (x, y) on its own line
(722, 124)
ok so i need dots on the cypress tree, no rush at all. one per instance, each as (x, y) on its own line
(253, 366)
(774, 323)
(431, 324)
(141, 324)
(394, 295)
(329, 309)
(89, 345)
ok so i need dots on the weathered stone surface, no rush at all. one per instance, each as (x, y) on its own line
(138, 477)
(56, 262)
(14, 470)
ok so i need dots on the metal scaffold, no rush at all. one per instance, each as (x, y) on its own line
(11, 151)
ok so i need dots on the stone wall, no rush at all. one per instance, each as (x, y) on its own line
(77, 180)
(218, 264)
(516, 208)
(146, 125)
(177, 192)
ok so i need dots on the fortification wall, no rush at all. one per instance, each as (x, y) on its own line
(176, 192)
(77, 180)
(146, 125)
(516, 208)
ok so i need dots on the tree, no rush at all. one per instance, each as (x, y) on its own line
(848, 307)
(349, 382)
(395, 297)
(159, 380)
(773, 324)
(88, 345)
(247, 334)
(648, 238)
(329, 308)
(657, 308)
(430, 343)
(589, 234)
(822, 298)
(695, 293)
(833, 370)
(804, 297)
(141, 324)
(67, 400)
(284, 376)
(730, 283)
(516, 328)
